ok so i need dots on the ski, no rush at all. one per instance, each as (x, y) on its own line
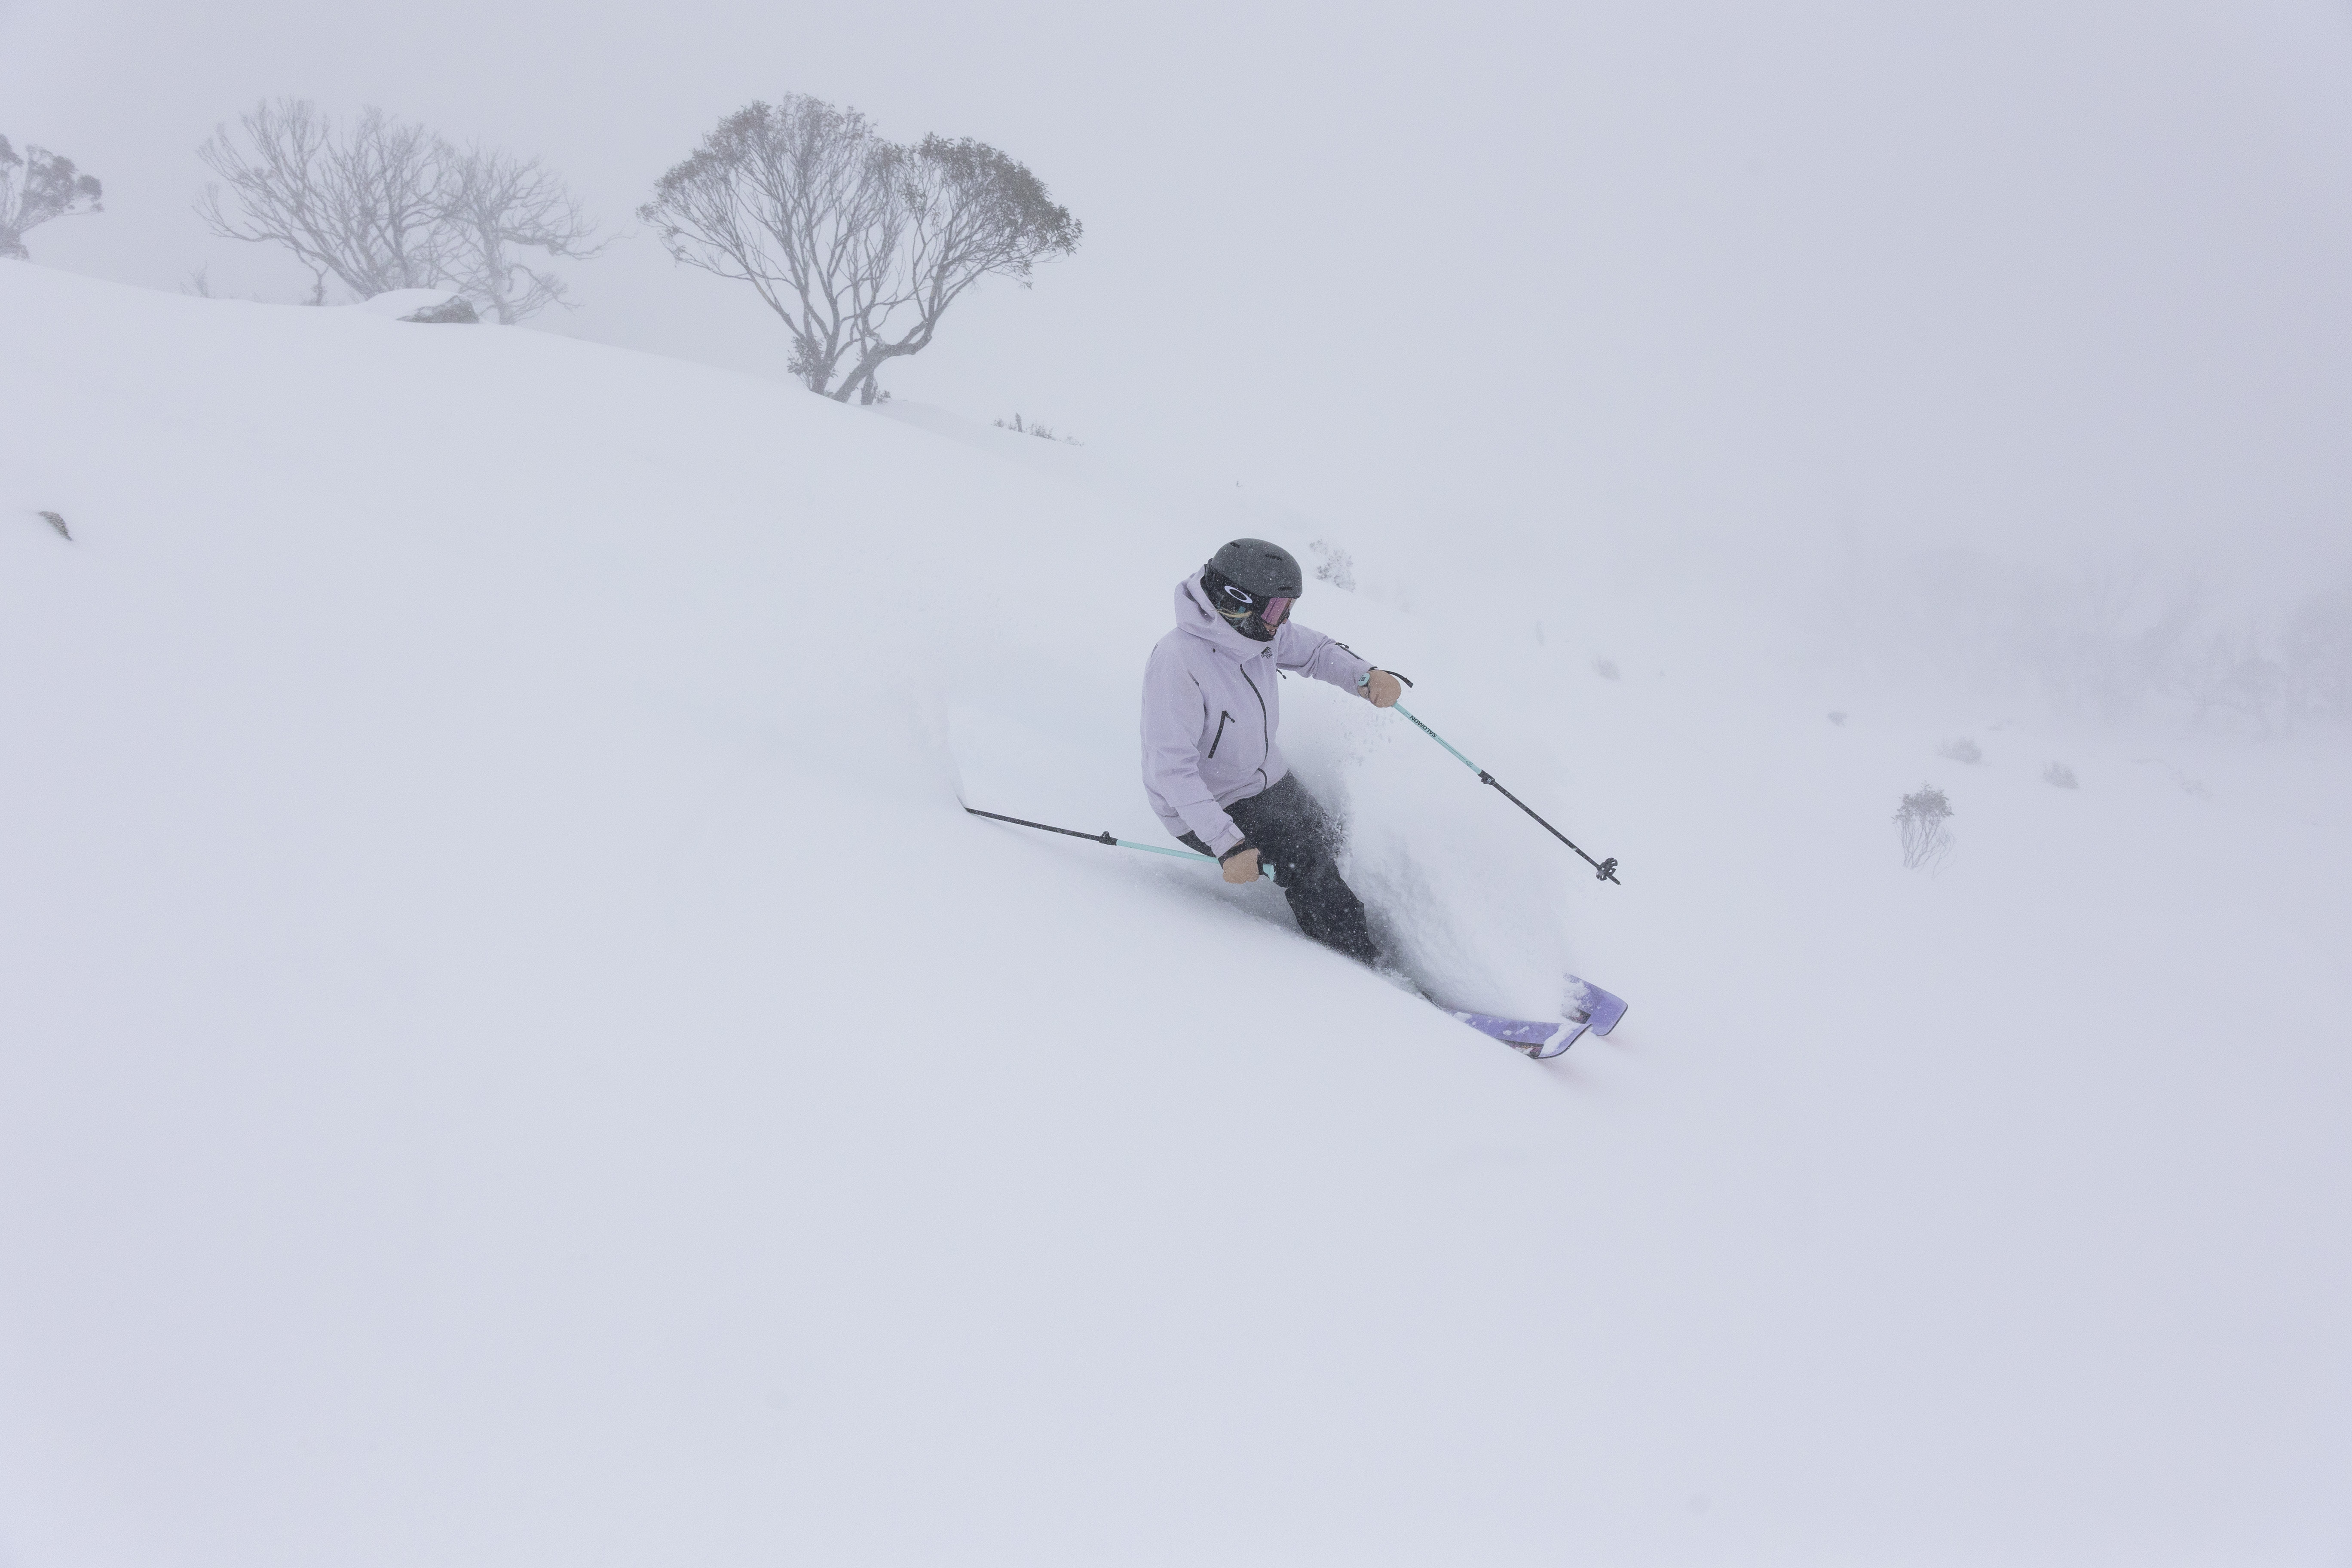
(1586, 1007)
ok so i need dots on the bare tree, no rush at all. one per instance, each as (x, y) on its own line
(498, 205)
(392, 206)
(390, 183)
(798, 199)
(972, 213)
(277, 185)
(363, 209)
(37, 187)
(841, 233)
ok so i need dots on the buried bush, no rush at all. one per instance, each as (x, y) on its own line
(1923, 818)
(1337, 567)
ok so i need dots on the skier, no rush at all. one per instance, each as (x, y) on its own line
(1212, 706)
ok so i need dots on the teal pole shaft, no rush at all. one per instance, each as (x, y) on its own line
(1157, 849)
(1437, 737)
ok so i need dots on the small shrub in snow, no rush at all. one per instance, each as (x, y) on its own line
(1961, 750)
(1337, 567)
(2060, 775)
(199, 283)
(37, 187)
(53, 521)
(455, 311)
(1043, 432)
(1605, 668)
(1923, 817)
(2189, 786)
(2318, 649)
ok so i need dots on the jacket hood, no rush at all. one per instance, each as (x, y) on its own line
(1195, 615)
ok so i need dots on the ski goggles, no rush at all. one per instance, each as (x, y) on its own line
(1274, 610)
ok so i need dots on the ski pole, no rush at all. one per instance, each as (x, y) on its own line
(1607, 868)
(1105, 837)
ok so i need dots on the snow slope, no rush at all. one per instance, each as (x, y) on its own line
(511, 1053)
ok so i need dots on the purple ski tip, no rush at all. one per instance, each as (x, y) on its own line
(1586, 1007)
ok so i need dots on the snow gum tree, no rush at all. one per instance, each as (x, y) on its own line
(37, 186)
(497, 208)
(361, 207)
(799, 200)
(857, 245)
(385, 204)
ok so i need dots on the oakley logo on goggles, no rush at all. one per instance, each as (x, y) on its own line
(1271, 615)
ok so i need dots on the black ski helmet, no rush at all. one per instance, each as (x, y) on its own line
(1240, 578)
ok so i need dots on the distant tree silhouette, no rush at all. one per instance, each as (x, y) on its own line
(35, 188)
(362, 208)
(498, 205)
(857, 245)
(389, 205)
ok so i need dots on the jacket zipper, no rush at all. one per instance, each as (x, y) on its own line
(1265, 723)
(1223, 719)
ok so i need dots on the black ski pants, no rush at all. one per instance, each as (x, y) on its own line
(1290, 828)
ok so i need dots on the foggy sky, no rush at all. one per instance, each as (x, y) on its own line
(2027, 275)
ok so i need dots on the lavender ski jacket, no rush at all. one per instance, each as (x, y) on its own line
(1211, 708)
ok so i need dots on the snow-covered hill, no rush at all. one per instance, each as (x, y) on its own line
(509, 1051)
